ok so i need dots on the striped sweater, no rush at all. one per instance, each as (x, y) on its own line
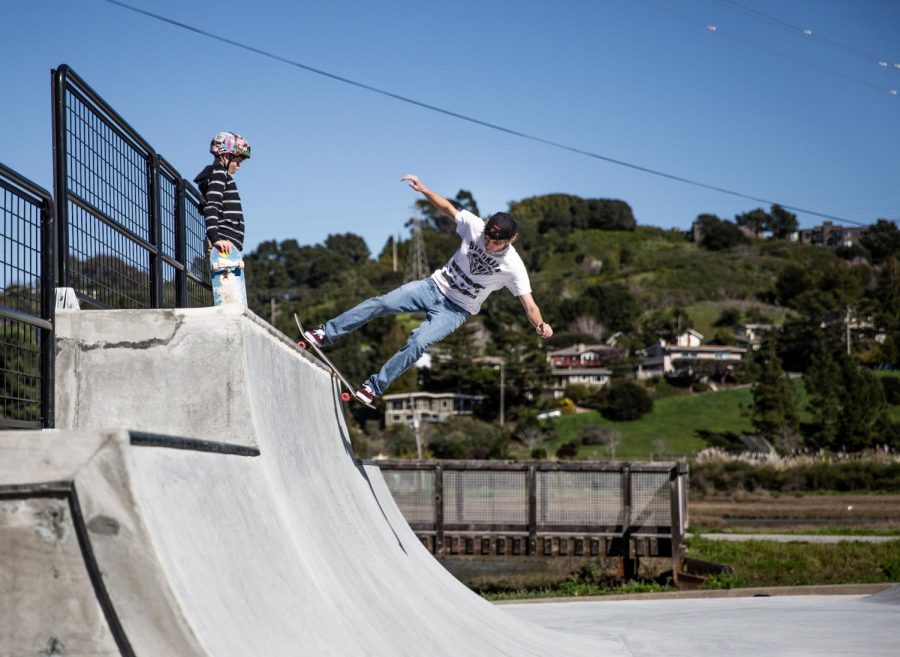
(222, 207)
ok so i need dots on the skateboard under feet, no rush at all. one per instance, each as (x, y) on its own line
(348, 390)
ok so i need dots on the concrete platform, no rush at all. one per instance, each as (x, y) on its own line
(266, 539)
(255, 532)
(789, 626)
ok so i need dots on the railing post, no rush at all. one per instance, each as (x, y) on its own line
(181, 276)
(532, 510)
(627, 565)
(154, 231)
(676, 491)
(60, 175)
(439, 509)
(48, 312)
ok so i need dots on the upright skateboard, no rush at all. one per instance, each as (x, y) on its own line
(347, 393)
(228, 277)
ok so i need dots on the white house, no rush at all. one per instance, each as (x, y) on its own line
(407, 407)
(582, 364)
(660, 359)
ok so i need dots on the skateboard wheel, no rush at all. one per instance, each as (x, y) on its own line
(345, 396)
(302, 344)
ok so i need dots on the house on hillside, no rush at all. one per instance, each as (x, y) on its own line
(669, 359)
(407, 407)
(750, 336)
(830, 235)
(582, 364)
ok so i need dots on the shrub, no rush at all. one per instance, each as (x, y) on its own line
(626, 400)
(567, 450)
(466, 438)
(595, 434)
(539, 454)
(891, 386)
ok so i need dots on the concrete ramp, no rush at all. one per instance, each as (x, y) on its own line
(253, 531)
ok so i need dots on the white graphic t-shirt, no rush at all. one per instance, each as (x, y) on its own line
(472, 273)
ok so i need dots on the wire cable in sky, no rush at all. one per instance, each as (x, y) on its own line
(717, 30)
(463, 117)
(805, 33)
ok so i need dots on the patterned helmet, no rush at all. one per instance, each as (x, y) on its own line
(229, 143)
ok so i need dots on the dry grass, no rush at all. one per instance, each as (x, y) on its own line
(763, 511)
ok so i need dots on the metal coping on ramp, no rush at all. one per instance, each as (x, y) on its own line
(146, 439)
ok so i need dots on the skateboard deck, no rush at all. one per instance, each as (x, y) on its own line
(347, 394)
(228, 283)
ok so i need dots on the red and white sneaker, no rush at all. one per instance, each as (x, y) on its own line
(365, 393)
(315, 336)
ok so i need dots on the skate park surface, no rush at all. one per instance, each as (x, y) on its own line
(201, 498)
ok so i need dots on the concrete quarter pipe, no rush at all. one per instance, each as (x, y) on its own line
(202, 499)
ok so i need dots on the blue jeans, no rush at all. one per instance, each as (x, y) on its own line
(442, 317)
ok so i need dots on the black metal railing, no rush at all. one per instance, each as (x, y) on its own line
(26, 303)
(130, 227)
(543, 508)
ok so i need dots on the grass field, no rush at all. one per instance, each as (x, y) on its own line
(669, 429)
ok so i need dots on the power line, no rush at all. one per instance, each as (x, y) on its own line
(463, 117)
(805, 33)
(715, 29)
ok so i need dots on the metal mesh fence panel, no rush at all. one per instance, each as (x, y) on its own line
(26, 347)
(168, 217)
(104, 265)
(106, 169)
(199, 283)
(579, 498)
(413, 491)
(20, 253)
(650, 499)
(120, 210)
(20, 374)
(485, 497)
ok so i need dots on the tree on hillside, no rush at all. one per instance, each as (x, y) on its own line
(781, 222)
(823, 383)
(438, 221)
(563, 213)
(755, 220)
(351, 249)
(625, 401)
(719, 235)
(864, 418)
(666, 324)
(882, 241)
(774, 409)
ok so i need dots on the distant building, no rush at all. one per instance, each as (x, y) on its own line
(404, 408)
(750, 336)
(830, 235)
(581, 364)
(666, 359)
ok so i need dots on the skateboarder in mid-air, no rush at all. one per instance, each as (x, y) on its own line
(222, 210)
(485, 261)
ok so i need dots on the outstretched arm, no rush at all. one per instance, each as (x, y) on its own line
(438, 201)
(534, 316)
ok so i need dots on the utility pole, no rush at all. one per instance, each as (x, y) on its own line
(417, 263)
(847, 324)
(394, 241)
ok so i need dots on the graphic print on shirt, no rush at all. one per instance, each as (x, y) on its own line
(480, 264)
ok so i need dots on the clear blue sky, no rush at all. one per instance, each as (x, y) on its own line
(754, 107)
